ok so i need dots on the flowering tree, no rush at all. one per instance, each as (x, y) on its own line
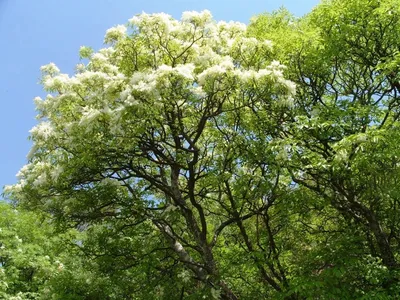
(163, 135)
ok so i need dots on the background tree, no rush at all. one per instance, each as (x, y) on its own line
(341, 142)
(30, 255)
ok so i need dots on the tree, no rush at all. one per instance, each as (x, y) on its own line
(38, 262)
(197, 165)
(30, 255)
(342, 141)
(160, 136)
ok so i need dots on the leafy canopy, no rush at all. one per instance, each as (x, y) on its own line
(197, 165)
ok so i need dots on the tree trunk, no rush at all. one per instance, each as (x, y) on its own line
(381, 238)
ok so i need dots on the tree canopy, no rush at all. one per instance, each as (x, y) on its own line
(198, 159)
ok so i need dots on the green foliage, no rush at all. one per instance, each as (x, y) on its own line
(341, 145)
(195, 165)
(30, 255)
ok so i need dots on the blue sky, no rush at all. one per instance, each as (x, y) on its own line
(34, 33)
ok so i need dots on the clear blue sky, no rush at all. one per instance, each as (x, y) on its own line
(36, 32)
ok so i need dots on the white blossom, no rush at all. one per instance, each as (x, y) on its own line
(164, 69)
(137, 77)
(43, 130)
(80, 68)
(291, 87)
(135, 20)
(50, 69)
(185, 70)
(23, 171)
(37, 100)
(164, 19)
(212, 72)
(115, 33)
(126, 93)
(198, 92)
(197, 18)
(56, 172)
(89, 115)
(99, 57)
(207, 58)
(268, 44)
(40, 180)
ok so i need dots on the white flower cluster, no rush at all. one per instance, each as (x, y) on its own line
(115, 34)
(43, 130)
(50, 69)
(146, 24)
